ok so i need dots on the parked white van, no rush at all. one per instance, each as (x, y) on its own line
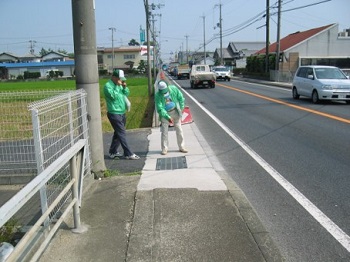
(321, 83)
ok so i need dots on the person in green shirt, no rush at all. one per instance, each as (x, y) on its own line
(116, 92)
(170, 103)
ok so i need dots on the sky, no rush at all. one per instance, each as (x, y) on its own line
(180, 25)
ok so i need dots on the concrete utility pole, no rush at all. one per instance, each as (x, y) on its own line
(155, 49)
(86, 71)
(267, 35)
(278, 41)
(205, 53)
(221, 58)
(186, 48)
(149, 73)
(113, 30)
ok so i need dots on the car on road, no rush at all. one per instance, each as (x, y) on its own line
(222, 73)
(201, 75)
(321, 83)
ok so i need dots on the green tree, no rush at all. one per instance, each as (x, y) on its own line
(133, 42)
(44, 51)
(142, 67)
(151, 43)
(62, 51)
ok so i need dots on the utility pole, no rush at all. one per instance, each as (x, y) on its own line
(221, 58)
(267, 35)
(278, 41)
(113, 30)
(186, 48)
(220, 25)
(155, 47)
(32, 44)
(86, 70)
(149, 73)
(205, 54)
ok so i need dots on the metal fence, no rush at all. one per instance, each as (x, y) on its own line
(38, 126)
(42, 133)
(281, 76)
(34, 236)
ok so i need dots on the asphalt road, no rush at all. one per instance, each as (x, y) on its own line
(291, 159)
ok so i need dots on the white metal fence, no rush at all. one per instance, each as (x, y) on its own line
(58, 123)
(281, 76)
(38, 233)
(54, 117)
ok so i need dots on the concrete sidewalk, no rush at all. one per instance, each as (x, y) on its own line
(183, 207)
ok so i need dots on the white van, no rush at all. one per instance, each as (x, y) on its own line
(321, 83)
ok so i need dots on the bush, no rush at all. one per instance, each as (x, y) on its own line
(31, 75)
(102, 72)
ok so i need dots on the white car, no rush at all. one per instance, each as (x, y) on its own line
(321, 83)
(222, 72)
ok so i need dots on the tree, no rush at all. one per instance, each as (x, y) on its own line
(44, 51)
(151, 43)
(133, 42)
(62, 51)
(142, 67)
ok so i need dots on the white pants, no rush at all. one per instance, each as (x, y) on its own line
(179, 134)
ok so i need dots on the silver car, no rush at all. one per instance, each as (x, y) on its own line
(222, 72)
(321, 83)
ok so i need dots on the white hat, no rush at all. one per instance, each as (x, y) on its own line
(120, 74)
(162, 85)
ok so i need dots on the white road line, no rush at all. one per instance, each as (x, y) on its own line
(320, 217)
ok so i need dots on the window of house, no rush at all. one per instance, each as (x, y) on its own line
(338, 62)
(128, 57)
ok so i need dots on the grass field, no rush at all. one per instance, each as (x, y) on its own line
(142, 106)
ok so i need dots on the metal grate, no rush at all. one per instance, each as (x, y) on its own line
(171, 163)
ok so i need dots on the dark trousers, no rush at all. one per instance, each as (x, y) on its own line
(119, 136)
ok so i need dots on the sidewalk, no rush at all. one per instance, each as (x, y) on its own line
(189, 210)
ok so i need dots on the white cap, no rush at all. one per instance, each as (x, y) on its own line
(162, 85)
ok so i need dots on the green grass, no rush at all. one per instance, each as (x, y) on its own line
(142, 106)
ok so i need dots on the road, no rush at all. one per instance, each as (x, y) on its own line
(291, 159)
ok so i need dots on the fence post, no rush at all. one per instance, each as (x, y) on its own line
(70, 116)
(39, 160)
(78, 228)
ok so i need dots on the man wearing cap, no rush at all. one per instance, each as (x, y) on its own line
(170, 103)
(115, 91)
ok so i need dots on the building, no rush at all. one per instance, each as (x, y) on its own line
(13, 70)
(124, 57)
(236, 53)
(324, 45)
(11, 66)
(54, 57)
(198, 58)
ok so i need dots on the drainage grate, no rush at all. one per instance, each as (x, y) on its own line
(170, 163)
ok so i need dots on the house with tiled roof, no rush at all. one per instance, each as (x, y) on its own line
(323, 45)
(54, 57)
(6, 57)
(236, 52)
(198, 58)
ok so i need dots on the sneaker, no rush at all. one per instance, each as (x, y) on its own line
(183, 150)
(133, 157)
(164, 152)
(118, 154)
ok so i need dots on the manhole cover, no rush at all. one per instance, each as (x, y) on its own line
(170, 163)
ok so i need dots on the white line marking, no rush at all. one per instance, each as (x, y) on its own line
(320, 217)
